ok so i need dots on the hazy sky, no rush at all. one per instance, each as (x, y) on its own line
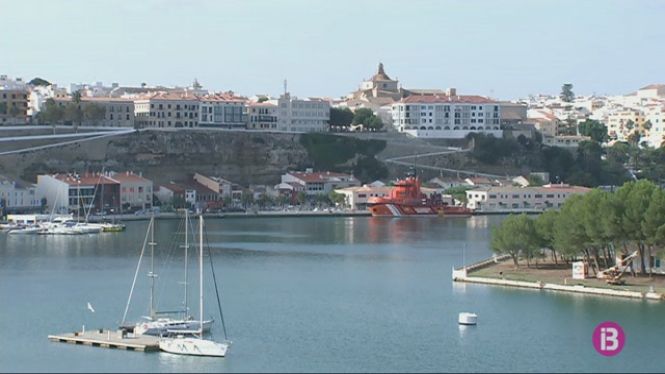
(505, 49)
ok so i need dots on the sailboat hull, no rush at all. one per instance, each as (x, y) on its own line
(193, 347)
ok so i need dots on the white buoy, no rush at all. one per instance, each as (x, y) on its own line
(466, 318)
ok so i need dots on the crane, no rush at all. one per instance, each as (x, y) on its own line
(615, 273)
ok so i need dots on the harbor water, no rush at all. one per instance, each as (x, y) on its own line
(310, 294)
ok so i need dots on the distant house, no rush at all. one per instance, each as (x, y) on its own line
(16, 196)
(79, 192)
(316, 183)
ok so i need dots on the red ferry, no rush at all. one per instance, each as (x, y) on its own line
(406, 199)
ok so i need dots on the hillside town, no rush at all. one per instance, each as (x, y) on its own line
(386, 106)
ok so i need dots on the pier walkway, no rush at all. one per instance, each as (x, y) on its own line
(109, 339)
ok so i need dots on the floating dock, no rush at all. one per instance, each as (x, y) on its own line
(109, 339)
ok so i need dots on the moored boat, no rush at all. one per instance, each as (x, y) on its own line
(406, 199)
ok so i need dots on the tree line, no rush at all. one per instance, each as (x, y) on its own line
(345, 117)
(72, 112)
(596, 226)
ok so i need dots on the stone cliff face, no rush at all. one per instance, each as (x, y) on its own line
(163, 156)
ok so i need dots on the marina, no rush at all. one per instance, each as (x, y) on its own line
(307, 291)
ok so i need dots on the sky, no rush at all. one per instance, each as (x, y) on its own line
(502, 49)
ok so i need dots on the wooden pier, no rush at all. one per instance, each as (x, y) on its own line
(109, 339)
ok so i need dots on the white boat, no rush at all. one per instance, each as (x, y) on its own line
(196, 346)
(155, 325)
(27, 230)
(193, 346)
(466, 318)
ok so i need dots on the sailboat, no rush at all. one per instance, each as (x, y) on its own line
(195, 345)
(155, 325)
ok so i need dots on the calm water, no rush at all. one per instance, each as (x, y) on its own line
(303, 294)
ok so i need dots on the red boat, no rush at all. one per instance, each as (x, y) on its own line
(406, 199)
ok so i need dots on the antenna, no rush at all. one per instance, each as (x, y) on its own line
(285, 86)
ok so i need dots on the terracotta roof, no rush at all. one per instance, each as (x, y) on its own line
(173, 96)
(653, 86)
(435, 99)
(85, 179)
(128, 177)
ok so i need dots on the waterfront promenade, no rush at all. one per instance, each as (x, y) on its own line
(248, 214)
(500, 271)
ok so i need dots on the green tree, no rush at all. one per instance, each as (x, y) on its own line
(341, 117)
(301, 197)
(594, 129)
(337, 198)
(516, 236)
(94, 113)
(544, 225)
(76, 96)
(567, 94)
(73, 114)
(247, 198)
(39, 82)
(263, 99)
(637, 196)
(362, 116)
(653, 225)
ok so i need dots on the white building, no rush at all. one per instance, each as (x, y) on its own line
(15, 196)
(223, 111)
(519, 199)
(218, 184)
(316, 183)
(448, 116)
(302, 115)
(262, 116)
(356, 197)
(135, 190)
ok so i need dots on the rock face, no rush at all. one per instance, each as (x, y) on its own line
(163, 156)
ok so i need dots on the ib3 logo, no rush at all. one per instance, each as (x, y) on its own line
(608, 338)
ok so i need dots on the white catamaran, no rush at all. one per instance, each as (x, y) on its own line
(196, 345)
(154, 325)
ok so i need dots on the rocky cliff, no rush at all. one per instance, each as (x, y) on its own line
(163, 156)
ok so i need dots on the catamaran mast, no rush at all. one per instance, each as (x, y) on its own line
(201, 276)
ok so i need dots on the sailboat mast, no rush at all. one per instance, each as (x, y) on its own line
(186, 264)
(152, 267)
(201, 275)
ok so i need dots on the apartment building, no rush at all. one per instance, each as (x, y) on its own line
(16, 196)
(135, 190)
(447, 116)
(517, 199)
(317, 183)
(622, 122)
(221, 186)
(13, 101)
(222, 110)
(302, 115)
(168, 110)
(262, 116)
